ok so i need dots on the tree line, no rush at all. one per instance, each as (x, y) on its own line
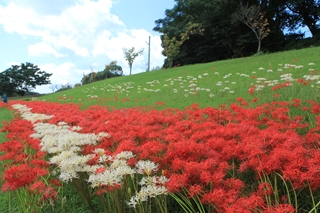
(198, 31)
(20, 80)
(111, 70)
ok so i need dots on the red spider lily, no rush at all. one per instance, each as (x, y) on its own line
(276, 95)
(195, 190)
(160, 103)
(37, 188)
(252, 89)
(3, 105)
(296, 102)
(301, 81)
(254, 100)
(282, 208)
(21, 176)
(285, 84)
(205, 151)
(100, 170)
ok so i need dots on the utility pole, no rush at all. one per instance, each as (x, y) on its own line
(91, 76)
(148, 54)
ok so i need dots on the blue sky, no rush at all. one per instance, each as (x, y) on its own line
(69, 37)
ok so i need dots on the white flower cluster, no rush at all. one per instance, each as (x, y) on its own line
(28, 115)
(311, 77)
(65, 145)
(150, 187)
(115, 168)
(286, 77)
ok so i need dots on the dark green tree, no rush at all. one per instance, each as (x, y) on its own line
(21, 79)
(301, 13)
(111, 70)
(224, 35)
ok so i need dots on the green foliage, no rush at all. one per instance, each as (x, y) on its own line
(130, 55)
(255, 20)
(111, 70)
(297, 13)
(227, 37)
(21, 79)
(7, 204)
(145, 89)
(5, 115)
(171, 47)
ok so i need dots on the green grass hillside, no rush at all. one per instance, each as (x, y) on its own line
(5, 115)
(209, 84)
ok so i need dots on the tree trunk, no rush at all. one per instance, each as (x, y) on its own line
(309, 22)
(130, 65)
(308, 15)
(259, 46)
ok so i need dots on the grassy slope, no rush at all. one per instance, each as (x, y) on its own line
(5, 115)
(138, 88)
(170, 85)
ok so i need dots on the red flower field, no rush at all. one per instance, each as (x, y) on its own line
(259, 158)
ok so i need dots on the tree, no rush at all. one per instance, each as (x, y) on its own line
(130, 55)
(53, 87)
(171, 47)
(21, 79)
(301, 13)
(110, 70)
(227, 37)
(255, 20)
(221, 33)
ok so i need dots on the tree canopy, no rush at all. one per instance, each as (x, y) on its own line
(21, 79)
(225, 36)
(111, 70)
(254, 19)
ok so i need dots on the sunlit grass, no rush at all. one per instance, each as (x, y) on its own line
(209, 84)
(5, 115)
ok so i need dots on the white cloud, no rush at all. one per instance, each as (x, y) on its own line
(13, 63)
(74, 28)
(112, 46)
(77, 32)
(60, 73)
(41, 48)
